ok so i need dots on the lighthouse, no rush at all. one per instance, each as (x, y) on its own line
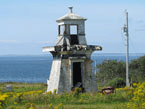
(72, 64)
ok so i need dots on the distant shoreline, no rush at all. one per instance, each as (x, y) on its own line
(36, 69)
(14, 82)
(93, 54)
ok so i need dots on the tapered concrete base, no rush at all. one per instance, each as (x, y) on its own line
(61, 75)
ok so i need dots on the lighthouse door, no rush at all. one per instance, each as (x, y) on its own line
(77, 76)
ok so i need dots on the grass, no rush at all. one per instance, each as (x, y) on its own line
(87, 106)
(82, 106)
(23, 87)
(25, 94)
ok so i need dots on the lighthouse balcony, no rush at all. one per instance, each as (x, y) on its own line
(72, 48)
(48, 48)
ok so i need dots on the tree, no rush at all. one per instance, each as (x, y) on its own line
(137, 69)
(110, 69)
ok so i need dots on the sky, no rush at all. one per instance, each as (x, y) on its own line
(28, 25)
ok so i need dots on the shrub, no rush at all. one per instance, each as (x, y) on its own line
(60, 106)
(110, 69)
(11, 107)
(30, 106)
(116, 83)
(48, 93)
(54, 91)
(50, 106)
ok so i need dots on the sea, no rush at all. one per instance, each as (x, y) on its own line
(36, 68)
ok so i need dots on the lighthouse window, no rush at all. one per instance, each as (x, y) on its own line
(60, 29)
(73, 29)
(74, 39)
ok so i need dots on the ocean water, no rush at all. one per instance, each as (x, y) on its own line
(36, 69)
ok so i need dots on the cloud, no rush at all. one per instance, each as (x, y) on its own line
(140, 21)
(27, 42)
(8, 41)
(47, 42)
(140, 29)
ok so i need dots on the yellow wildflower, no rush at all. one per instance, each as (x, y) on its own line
(60, 105)
(103, 92)
(2, 98)
(32, 105)
(80, 100)
(56, 107)
(138, 84)
(141, 94)
(140, 90)
(54, 91)
(134, 84)
(143, 105)
(135, 99)
(129, 92)
(49, 93)
(135, 93)
(50, 105)
(32, 108)
(15, 103)
(134, 105)
(128, 105)
(100, 94)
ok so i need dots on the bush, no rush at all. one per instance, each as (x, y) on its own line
(54, 91)
(116, 83)
(30, 106)
(110, 69)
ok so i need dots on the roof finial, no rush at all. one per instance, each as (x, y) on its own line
(70, 9)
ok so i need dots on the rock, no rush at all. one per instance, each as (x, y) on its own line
(9, 87)
(108, 90)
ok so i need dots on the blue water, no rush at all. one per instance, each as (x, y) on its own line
(35, 69)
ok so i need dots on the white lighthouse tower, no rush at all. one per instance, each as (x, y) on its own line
(72, 64)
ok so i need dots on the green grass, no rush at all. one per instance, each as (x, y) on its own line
(69, 100)
(88, 106)
(93, 106)
(82, 106)
(23, 87)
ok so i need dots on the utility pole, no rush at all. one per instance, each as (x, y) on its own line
(127, 49)
(95, 68)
